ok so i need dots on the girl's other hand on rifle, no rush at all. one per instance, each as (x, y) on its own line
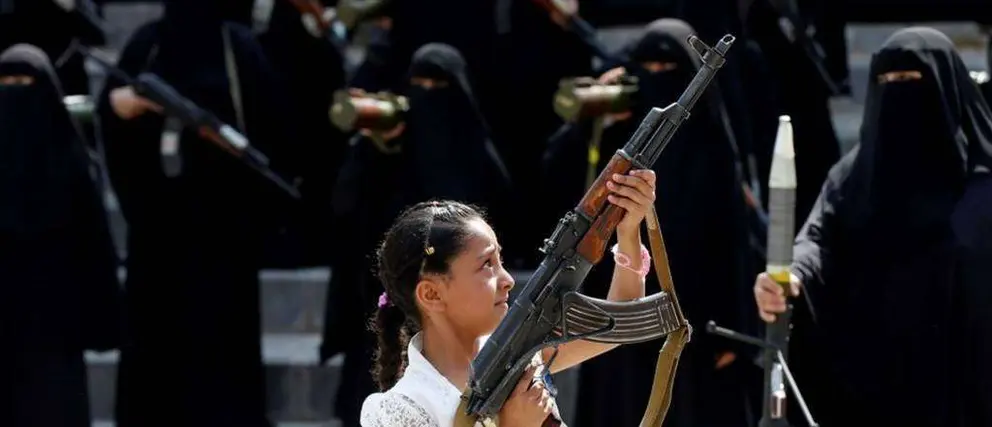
(635, 194)
(128, 105)
(529, 404)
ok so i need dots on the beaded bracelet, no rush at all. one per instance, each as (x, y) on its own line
(624, 261)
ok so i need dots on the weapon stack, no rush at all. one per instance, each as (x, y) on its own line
(781, 229)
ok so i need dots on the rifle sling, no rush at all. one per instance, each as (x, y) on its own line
(671, 351)
(668, 357)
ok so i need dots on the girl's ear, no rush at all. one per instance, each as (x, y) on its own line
(430, 295)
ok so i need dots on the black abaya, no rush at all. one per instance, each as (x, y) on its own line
(312, 70)
(192, 354)
(888, 257)
(703, 219)
(58, 267)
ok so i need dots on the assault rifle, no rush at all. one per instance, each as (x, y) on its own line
(154, 89)
(549, 310)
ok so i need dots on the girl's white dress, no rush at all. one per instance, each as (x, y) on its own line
(421, 398)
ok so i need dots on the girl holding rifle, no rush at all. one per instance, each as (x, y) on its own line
(447, 290)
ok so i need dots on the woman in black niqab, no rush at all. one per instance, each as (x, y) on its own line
(894, 257)
(701, 209)
(57, 260)
(452, 153)
(195, 239)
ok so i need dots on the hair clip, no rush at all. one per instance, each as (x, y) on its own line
(383, 300)
(429, 250)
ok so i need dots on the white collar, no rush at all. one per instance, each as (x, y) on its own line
(417, 362)
(425, 385)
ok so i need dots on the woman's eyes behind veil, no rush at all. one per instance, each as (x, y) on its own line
(16, 80)
(428, 83)
(899, 76)
(659, 66)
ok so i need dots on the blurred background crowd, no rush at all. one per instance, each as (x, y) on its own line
(244, 282)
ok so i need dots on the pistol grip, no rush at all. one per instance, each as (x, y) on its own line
(619, 322)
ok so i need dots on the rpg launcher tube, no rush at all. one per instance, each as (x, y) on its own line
(583, 97)
(781, 204)
(358, 110)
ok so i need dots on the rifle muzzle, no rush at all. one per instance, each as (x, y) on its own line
(583, 97)
(378, 112)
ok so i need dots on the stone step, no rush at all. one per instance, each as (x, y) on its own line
(298, 389)
(293, 301)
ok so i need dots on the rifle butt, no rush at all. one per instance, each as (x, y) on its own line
(605, 215)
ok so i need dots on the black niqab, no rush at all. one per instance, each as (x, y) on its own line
(58, 267)
(921, 139)
(885, 259)
(664, 40)
(446, 133)
(41, 153)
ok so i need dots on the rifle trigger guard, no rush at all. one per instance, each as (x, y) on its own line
(640, 320)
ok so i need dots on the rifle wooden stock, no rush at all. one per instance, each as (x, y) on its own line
(211, 135)
(606, 214)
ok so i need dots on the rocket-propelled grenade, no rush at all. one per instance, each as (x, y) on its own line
(782, 203)
(781, 231)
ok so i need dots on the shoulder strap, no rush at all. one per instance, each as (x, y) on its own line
(668, 358)
(232, 78)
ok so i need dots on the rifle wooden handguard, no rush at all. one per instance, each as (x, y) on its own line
(593, 245)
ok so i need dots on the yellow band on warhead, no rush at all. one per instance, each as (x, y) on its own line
(778, 273)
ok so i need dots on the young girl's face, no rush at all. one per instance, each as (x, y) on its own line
(477, 294)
